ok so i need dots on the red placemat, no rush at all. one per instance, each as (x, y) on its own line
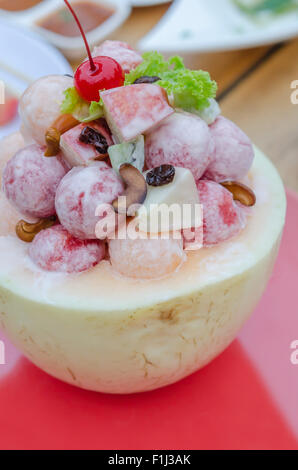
(245, 399)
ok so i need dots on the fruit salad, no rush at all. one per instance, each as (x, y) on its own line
(126, 130)
(139, 226)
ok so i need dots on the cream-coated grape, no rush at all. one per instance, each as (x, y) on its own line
(40, 105)
(30, 181)
(146, 258)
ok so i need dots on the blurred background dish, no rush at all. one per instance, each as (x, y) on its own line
(147, 3)
(218, 25)
(53, 21)
(27, 58)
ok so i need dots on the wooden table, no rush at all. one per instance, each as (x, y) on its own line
(254, 90)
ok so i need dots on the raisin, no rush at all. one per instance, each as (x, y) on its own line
(93, 137)
(146, 79)
(160, 175)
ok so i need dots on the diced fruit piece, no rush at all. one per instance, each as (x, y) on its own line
(135, 190)
(54, 249)
(121, 52)
(40, 105)
(182, 140)
(128, 152)
(209, 114)
(107, 74)
(30, 181)
(8, 110)
(81, 192)
(223, 217)
(76, 152)
(146, 259)
(233, 154)
(181, 196)
(135, 109)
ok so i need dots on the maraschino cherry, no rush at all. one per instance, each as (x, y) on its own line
(96, 73)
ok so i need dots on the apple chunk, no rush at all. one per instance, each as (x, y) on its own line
(135, 109)
(132, 152)
(173, 206)
(76, 152)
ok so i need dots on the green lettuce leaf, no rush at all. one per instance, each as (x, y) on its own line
(95, 110)
(71, 101)
(79, 108)
(188, 89)
(153, 64)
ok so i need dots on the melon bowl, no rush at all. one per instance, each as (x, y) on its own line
(105, 333)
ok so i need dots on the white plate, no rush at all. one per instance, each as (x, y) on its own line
(148, 3)
(72, 47)
(24, 57)
(215, 25)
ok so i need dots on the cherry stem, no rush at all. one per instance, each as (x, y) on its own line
(92, 65)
